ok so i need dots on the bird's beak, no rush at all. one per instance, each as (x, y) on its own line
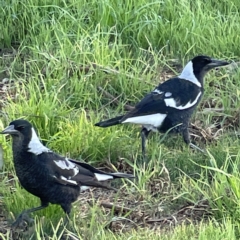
(217, 63)
(9, 130)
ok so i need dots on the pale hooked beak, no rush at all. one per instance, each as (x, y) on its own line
(9, 130)
(217, 63)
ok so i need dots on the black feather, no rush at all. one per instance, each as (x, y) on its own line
(110, 122)
(47, 175)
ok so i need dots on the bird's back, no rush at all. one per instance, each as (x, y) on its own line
(184, 94)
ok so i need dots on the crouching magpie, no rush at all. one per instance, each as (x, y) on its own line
(47, 175)
(170, 105)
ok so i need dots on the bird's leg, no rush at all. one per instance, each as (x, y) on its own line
(67, 209)
(66, 220)
(67, 226)
(24, 215)
(144, 135)
(186, 138)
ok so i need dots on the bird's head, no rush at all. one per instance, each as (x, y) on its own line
(196, 69)
(18, 128)
(204, 63)
(24, 135)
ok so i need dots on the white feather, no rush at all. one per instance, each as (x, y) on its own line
(157, 91)
(188, 74)
(102, 177)
(170, 102)
(154, 120)
(68, 180)
(67, 165)
(35, 146)
(84, 188)
(150, 128)
(168, 94)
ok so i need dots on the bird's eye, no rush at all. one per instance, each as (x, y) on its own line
(20, 128)
(207, 60)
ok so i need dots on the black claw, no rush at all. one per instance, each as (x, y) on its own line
(193, 146)
(23, 218)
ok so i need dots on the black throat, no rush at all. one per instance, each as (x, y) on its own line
(20, 146)
(200, 76)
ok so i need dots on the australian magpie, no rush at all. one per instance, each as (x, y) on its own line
(47, 175)
(170, 105)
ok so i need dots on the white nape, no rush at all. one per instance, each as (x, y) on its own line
(67, 165)
(188, 74)
(170, 102)
(35, 146)
(103, 177)
(154, 120)
(84, 188)
(68, 180)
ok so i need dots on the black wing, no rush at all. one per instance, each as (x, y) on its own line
(86, 167)
(71, 172)
(60, 169)
(174, 94)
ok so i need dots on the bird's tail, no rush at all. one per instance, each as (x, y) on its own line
(102, 177)
(110, 122)
(90, 176)
(121, 175)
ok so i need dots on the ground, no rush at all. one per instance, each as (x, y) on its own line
(65, 65)
(132, 211)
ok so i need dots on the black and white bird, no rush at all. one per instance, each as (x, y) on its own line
(170, 105)
(47, 175)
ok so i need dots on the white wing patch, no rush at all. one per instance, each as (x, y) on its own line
(188, 74)
(170, 102)
(68, 180)
(168, 94)
(63, 180)
(35, 146)
(103, 177)
(67, 165)
(157, 91)
(154, 120)
(84, 188)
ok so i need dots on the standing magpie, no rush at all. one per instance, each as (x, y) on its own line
(170, 105)
(47, 175)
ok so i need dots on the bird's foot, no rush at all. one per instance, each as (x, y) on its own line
(22, 220)
(193, 146)
(143, 159)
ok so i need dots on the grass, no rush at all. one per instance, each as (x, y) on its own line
(57, 54)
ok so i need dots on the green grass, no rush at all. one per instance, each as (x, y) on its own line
(65, 51)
